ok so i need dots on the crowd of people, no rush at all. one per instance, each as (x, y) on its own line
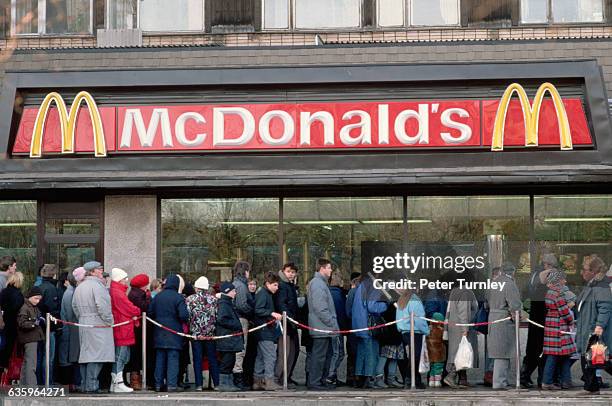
(92, 360)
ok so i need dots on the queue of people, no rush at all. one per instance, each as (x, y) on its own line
(236, 336)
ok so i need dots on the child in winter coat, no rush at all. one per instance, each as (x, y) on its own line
(228, 323)
(268, 336)
(436, 350)
(29, 333)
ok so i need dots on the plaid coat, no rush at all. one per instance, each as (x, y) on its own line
(558, 318)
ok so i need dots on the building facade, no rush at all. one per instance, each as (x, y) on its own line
(286, 130)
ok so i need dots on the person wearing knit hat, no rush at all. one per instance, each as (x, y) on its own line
(555, 277)
(140, 296)
(228, 323)
(140, 281)
(558, 347)
(29, 334)
(79, 274)
(123, 310)
(118, 275)
(202, 309)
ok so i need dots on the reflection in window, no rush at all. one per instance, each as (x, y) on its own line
(18, 235)
(122, 14)
(563, 11)
(572, 228)
(168, 16)
(276, 14)
(327, 13)
(434, 12)
(534, 11)
(577, 11)
(494, 226)
(390, 13)
(334, 228)
(207, 236)
(25, 16)
(68, 16)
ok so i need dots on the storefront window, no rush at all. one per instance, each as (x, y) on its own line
(335, 228)
(577, 11)
(327, 13)
(434, 12)
(534, 11)
(169, 16)
(59, 17)
(563, 11)
(494, 227)
(18, 235)
(207, 236)
(572, 228)
(390, 13)
(276, 14)
(122, 14)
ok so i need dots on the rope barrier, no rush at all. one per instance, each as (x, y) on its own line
(541, 326)
(207, 338)
(297, 323)
(70, 323)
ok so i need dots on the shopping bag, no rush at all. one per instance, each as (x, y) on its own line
(464, 356)
(424, 363)
(597, 353)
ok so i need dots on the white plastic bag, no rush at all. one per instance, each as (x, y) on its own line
(424, 363)
(464, 356)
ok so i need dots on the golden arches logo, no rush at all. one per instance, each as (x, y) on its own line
(68, 123)
(531, 115)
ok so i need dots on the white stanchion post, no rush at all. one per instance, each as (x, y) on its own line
(47, 348)
(144, 351)
(285, 377)
(412, 355)
(517, 325)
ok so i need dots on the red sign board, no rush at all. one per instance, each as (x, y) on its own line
(303, 126)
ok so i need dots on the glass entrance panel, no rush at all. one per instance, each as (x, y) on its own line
(494, 227)
(335, 228)
(69, 256)
(574, 229)
(205, 237)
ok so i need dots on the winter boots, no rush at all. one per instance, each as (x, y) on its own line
(117, 385)
(226, 383)
(136, 380)
(435, 381)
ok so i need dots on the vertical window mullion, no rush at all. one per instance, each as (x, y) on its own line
(42, 16)
(13, 17)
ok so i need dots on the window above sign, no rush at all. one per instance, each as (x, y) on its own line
(561, 11)
(40, 17)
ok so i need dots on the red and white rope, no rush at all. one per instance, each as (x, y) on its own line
(208, 338)
(70, 323)
(541, 326)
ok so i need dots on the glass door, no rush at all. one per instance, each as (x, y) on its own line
(72, 233)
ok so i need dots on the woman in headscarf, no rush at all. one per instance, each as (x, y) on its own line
(462, 308)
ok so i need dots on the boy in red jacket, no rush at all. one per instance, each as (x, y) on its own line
(123, 310)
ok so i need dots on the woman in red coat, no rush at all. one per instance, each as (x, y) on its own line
(558, 345)
(123, 310)
(140, 296)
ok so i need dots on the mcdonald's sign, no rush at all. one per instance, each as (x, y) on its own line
(485, 124)
(531, 116)
(68, 123)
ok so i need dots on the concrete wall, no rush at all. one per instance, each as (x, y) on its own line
(130, 234)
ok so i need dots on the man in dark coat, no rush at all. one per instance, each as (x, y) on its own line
(50, 303)
(285, 300)
(228, 323)
(535, 334)
(245, 308)
(169, 309)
